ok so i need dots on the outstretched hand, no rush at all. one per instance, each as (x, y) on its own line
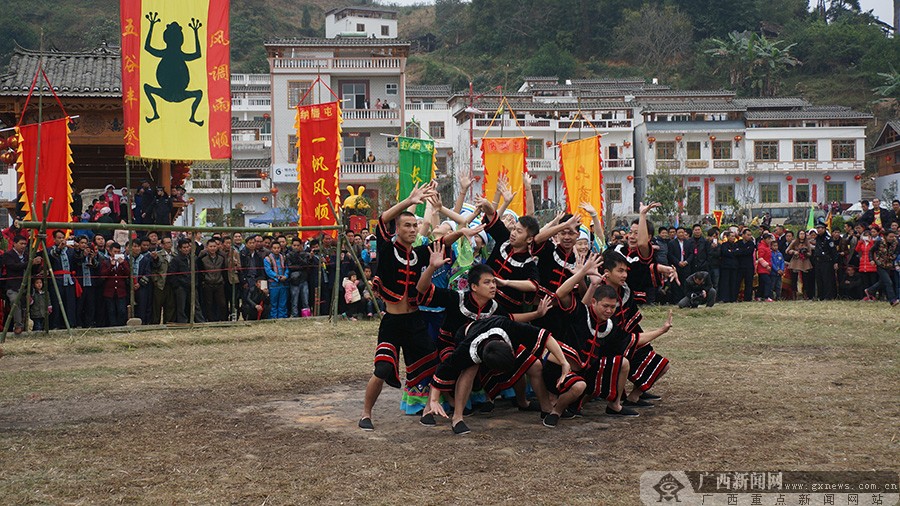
(544, 305)
(437, 258)
(435, 408)
(420, 193)
(588, 208)
(473, 231)
(646, 208)
(668, 323)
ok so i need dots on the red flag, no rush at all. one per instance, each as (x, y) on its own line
(318, 163)
(54, 171)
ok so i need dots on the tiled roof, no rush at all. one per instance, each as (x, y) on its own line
(361, 8)
(237, 124)
(94, 73)
(683, 93)
(246, 163)
(879, 148)
(336, 42)
(771, 103)
(541, 78)
(811, 113)
(426, 90)
(491, 106)
(692, 106)
(611, 81)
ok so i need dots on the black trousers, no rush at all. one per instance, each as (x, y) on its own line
(745, 274)
(86, 307)
(825, 280)
(728, 284)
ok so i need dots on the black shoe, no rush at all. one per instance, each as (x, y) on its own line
(569, 414)
(647, 396)
(623, 412)
(640, 403)
(366, 424)
(532, 406)
(428, 420)
(468, 411)
(461, 428)
(486, 407)
(551, 420)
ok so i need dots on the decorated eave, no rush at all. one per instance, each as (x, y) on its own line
(245, 163)
(83, 74)
(809, 113)
(442, 91)
(733, 126)
(882, 146)
(315, 42)
(691, 106)
(489, 107)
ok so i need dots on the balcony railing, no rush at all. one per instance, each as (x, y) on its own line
(540, 164)
(222, 184)
(246, 184)
(618, 164)
(250, 79)
(696, 164)
(668, 164)
(368, 168)
(206, 184)
(841, 165)
(251, 145)
(419, 106)
(387, 63)
(370, 114)
(523, 123)
(562, 124)
(726, 164)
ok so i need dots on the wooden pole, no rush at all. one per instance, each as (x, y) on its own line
(127, 245)
(193, 281)
(59, 299)
(335, 285)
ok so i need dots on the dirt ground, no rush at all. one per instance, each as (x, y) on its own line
(266, 414)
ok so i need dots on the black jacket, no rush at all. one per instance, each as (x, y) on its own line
(743, 251)
(14, 268)
(691, 285)
(700, 255)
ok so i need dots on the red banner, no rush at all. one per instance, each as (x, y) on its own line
(54, 172)
(318, 163)
(176, 79)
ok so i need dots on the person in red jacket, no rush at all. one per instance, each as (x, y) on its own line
(868, 271)
(115, 270)
(764, 267)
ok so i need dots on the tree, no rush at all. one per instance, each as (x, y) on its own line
(551, 60)
(665, 188)
(891, 86)
(654, 37)
(754, 63)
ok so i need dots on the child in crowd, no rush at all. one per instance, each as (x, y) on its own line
(352, 297)
(40, 305)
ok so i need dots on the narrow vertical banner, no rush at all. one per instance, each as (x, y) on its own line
(55, 170)
(176, 79)
(318, 164)
(505, 157)
(416, 166)
(582, 170)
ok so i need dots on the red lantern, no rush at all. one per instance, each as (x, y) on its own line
(191, 200)
(678, 138)
(266, 116)
(712, 138)
(477, 178)
(749, 179)
(630, 178)
(548, 178)
(626, 144)
(857, 177)
(712, 180)
(888, 158)
(12, 142)
(264, 175)
(264, 199)
(790, 177)
(549, 143)
(737, 180)
(827, 178)
(3, 142)
(651, 140)
(737, 138)
(274, 191)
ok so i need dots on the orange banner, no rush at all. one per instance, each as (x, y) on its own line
(582, 171)
(318, 163)
(54, 171)
(176, 79)
(505, 157)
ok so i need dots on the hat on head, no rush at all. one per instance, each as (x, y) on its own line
(109, 187)
(105, 210)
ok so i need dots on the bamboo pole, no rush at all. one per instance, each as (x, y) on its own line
(335, 286)
(127, 245)
(137, 227)
(62, 308)
(193, 281)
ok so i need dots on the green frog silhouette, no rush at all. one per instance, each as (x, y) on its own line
(172, 73)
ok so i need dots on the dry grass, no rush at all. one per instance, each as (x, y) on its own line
(266, 414)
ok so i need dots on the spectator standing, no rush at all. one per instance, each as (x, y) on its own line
(65, 262)
(39, 307)
(179, 276)
(115, 271)
(777, 271)
(764, 267)
(801, 265)
(14, 263)
(715, 256)
(884, 253)
(212, 267)
(825, 263)
(276, 273)
(141, 268)
(700, 253)
(743, 251)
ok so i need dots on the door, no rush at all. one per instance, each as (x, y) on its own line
(613, 153)
(802, 193)
(693, 200)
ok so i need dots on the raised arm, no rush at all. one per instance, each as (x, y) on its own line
(645, 337)
(595, 220)
(416, 197)
(522, 285)
(543, 306)
(463, 232)
(643, 235)
(548, 232)
(464, 184)
(529, 195)
(564, 292)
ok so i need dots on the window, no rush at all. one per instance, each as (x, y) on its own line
(441, 163)
(722, 150)
(770, 193)
(436, 129)
(391, 88)
(680, 117)
(535, 148)
(354, 149)
(765, 151)
(724, 195)
(693, 150)
(296, 90)
(665, 150)
(355, 95)
(385, 31)
(843, 150)
(805, 150)
(802, 193)
(292, 148)
(392, 142)
(360, 27)
(614, 192)
(215, 216)
(835, 192)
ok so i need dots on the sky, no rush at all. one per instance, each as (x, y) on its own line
(881, 8)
